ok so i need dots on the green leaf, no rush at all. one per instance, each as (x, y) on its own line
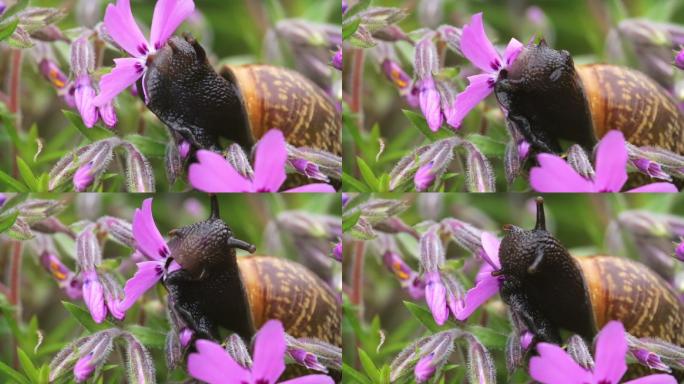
(149, 337)
(83, 317)
(27, 366)
(16, 8)
(369, 366)
(349, 28)
(7, 29)
(350, 373)
(6, 370)
(27, 175)
(7, 222)
(349, 181)
(422, 315)
(350, 221)
(148, 146)
(490, 338)
(487, 145)
(367, 174)
(419, 122)
(14, 184)
(356, 8)
(93, 134)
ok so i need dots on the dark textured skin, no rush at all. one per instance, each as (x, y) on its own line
(545, 99)
(187, 95)
(550, 298)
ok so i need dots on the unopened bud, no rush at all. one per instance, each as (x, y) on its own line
(118, 230)
(651, 169)
(336, 60)
(237, 349)
(98, 154)
(113, 295)
(52, 73)
(514, 353)
(424, 177)
(82, 57)
(377, 18)
(426, 60)
(440, 154)
(679, 60)
(512, 163)
(452, 37)
(337, 251)
(425, 368)
(88, 253)
(32, 19)
(481, 368)
(83, 178)
(172, 350)
(239, 160)
(579, 161)
(139, 174)
(432, 254)
(34, 210)
(363, 230)
(649, 359)
(465, 235)
(139, 363)
(479, 174)
(396, 74)
(578, 350)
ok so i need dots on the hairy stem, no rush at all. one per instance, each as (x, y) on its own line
(14, 98)
(357, 85)
(357, 276)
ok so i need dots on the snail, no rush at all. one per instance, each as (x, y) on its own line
(548, 98)
(551, 290)
(216, 289)
(240, 104)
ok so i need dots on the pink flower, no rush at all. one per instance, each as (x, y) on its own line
(93, 296)
(435, 296)
(477, 48)
(555, 366)
(168, 15)
(83, 369)
(679, 60)
(425, 368)
(152, 245)
(214, 174)
(83, 178)
(424, 177)
(486, 285)
(212, 364)
(555, 175)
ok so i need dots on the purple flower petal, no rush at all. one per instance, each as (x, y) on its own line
(611, 348)
(485, 288)
(146, 277)
(84, 95)
(435, 296)
(477, 48)
(269, 352)
(653, 379)
(512, 51)
(479, 88)
(430, 104)
(490, 244)
(655, 187)
(125, 73)
(555, 175)
(611, 163)
(83, 369)
(93, 296)
(168, 15)
(310, 379)
(147, 237)
(213, 174)
(316, 187)
(554, 366)
(108, 115)
(83, 178)
(212, 364)
(269, 163)
(122, 28)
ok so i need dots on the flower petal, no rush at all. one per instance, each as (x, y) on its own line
(93, 296)
(555, 175)
(269, 352)
(316, 187)
(653, 379)
(512, 51)
(148, 240)
(125, 73)
(212, 364)
(147, 275)
(269, 163)
(430, 104)
(491, 244)
(477, 48)
(479, 88)
(435, 296)
(310, 379)
(122, 28)
(554, 366)
(611, 163)
(611, 349)
(168, 15)
(485, 288)
(84, 94)
(213, 174)
(655, 187)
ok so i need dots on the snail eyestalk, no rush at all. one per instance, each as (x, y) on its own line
(241, 244)
(215, 211)
(541, 219)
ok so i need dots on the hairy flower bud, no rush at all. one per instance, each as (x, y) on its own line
(440, 154)
(465, 235)
(579, 351)
(432, 253)
(451, 36)
(579, 161)
(139, 363)
(239, 160)
(139, 174)
(88, 253)
(426, 60)
(514, 353)
(479, 174)
(82, 57)
(118, 230)
(481, 367)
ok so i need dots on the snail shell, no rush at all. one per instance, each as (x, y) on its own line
(621, 289)
(284, 290)
(628, 100)
(275, 97)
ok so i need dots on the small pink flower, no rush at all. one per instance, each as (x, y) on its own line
(93, 296)
(477, 48)
(486, 285)
(555, 366)
(424, 177)
(555, 175)
(83, 178)
(435, 296)
(83, 369)
(212, 364)
(214, 174)
(425, 368)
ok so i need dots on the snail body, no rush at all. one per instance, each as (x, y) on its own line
(215, 289)
(550, 99)
(551, 290)
(240, 104)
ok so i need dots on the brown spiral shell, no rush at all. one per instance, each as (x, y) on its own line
(627, 100)
(284, 290)
(621, 289)
(275, 97)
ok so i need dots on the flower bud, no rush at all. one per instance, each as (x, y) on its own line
(465, 235)
(440, 154)
(172, 350)
(82, 57)
(173, 165)
(99, 154)
(578, 350)
(481, 368)
(425, 368)
(452, 37)
(94, 352)
(430, 103)
(52, 73)
(66, 358)
(337, 251)
(139, 363)
(512, 162)
(329, 165)
(108, 115)
(377, 210)
(336, 60)
(185, 336)
(514, 352)
(83, 368)
(139, 175)
(113, 295)
(396, 74)
(679, 60)
(455, 294)
(32, 19)
(378, 18)
(3, 7)
(447, 93)
(649, 359)
(479, 174)
(3, 199)
(363, 230)
(306, 359)
(88, 253)
(579, 161)
(118, 230)
(432, 253)
(237, 349)
(679, 251)
(60, 272)
(83, 178)
(239, 160)
(308, 169)
(93, 296)
(424, 177)
(35, 210)
(526, 339)
(651, 169)
(435, 296)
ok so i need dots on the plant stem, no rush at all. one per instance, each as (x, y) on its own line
(14, 98)
(15, 276)
(357, 85)
(357, 276)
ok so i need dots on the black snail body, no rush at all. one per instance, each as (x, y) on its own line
(550, 99)
(215, 289)
(550, 290)
(240, 104)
